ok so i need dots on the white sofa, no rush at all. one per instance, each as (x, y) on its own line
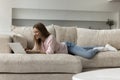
(56, 66)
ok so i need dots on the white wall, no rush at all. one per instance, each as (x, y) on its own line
(80, 5)
(76, 15)
(5, 16)
(84, 5)
(83, 10)
(116, 18)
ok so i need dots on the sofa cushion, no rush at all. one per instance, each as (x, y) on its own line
(4, 40)
(27, 32)
(21, 39)
(40, 63)
(102, 60)
(88, 37)
(65, 33)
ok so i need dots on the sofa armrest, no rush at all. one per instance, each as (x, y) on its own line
(4, 40)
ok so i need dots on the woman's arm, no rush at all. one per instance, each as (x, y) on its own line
(51, 47)
(35, 51)
(36, 47)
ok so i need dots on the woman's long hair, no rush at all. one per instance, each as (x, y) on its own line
(42, 29)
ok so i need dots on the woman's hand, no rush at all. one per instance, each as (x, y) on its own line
(28, 50)
(34, 51)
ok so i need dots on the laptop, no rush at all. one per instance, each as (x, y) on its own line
(17, 48)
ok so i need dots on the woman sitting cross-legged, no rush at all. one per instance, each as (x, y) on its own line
(46, 43)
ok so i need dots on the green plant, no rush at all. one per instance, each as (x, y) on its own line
(110, 23)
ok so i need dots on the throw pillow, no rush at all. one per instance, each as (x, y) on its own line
(20, 38)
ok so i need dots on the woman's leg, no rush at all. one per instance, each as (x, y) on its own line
(88, 48)
(77, 50)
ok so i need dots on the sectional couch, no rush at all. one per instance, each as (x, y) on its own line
(58, 66)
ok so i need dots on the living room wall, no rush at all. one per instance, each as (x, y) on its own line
(79, 5)
(86, 19)
(5, 16)
(83, 5)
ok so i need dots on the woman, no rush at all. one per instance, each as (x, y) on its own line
(46, 43)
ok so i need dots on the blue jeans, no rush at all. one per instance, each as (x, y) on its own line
(86, 52)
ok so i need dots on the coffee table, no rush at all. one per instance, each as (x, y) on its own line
(103, 74)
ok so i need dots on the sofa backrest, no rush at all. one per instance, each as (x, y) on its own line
(65, 33)
(88, 37)
(80, 36)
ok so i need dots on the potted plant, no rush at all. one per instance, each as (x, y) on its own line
(110, 23)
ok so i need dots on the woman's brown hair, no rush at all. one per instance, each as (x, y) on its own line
(44, 32)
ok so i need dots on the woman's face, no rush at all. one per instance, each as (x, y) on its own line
(37, 33)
